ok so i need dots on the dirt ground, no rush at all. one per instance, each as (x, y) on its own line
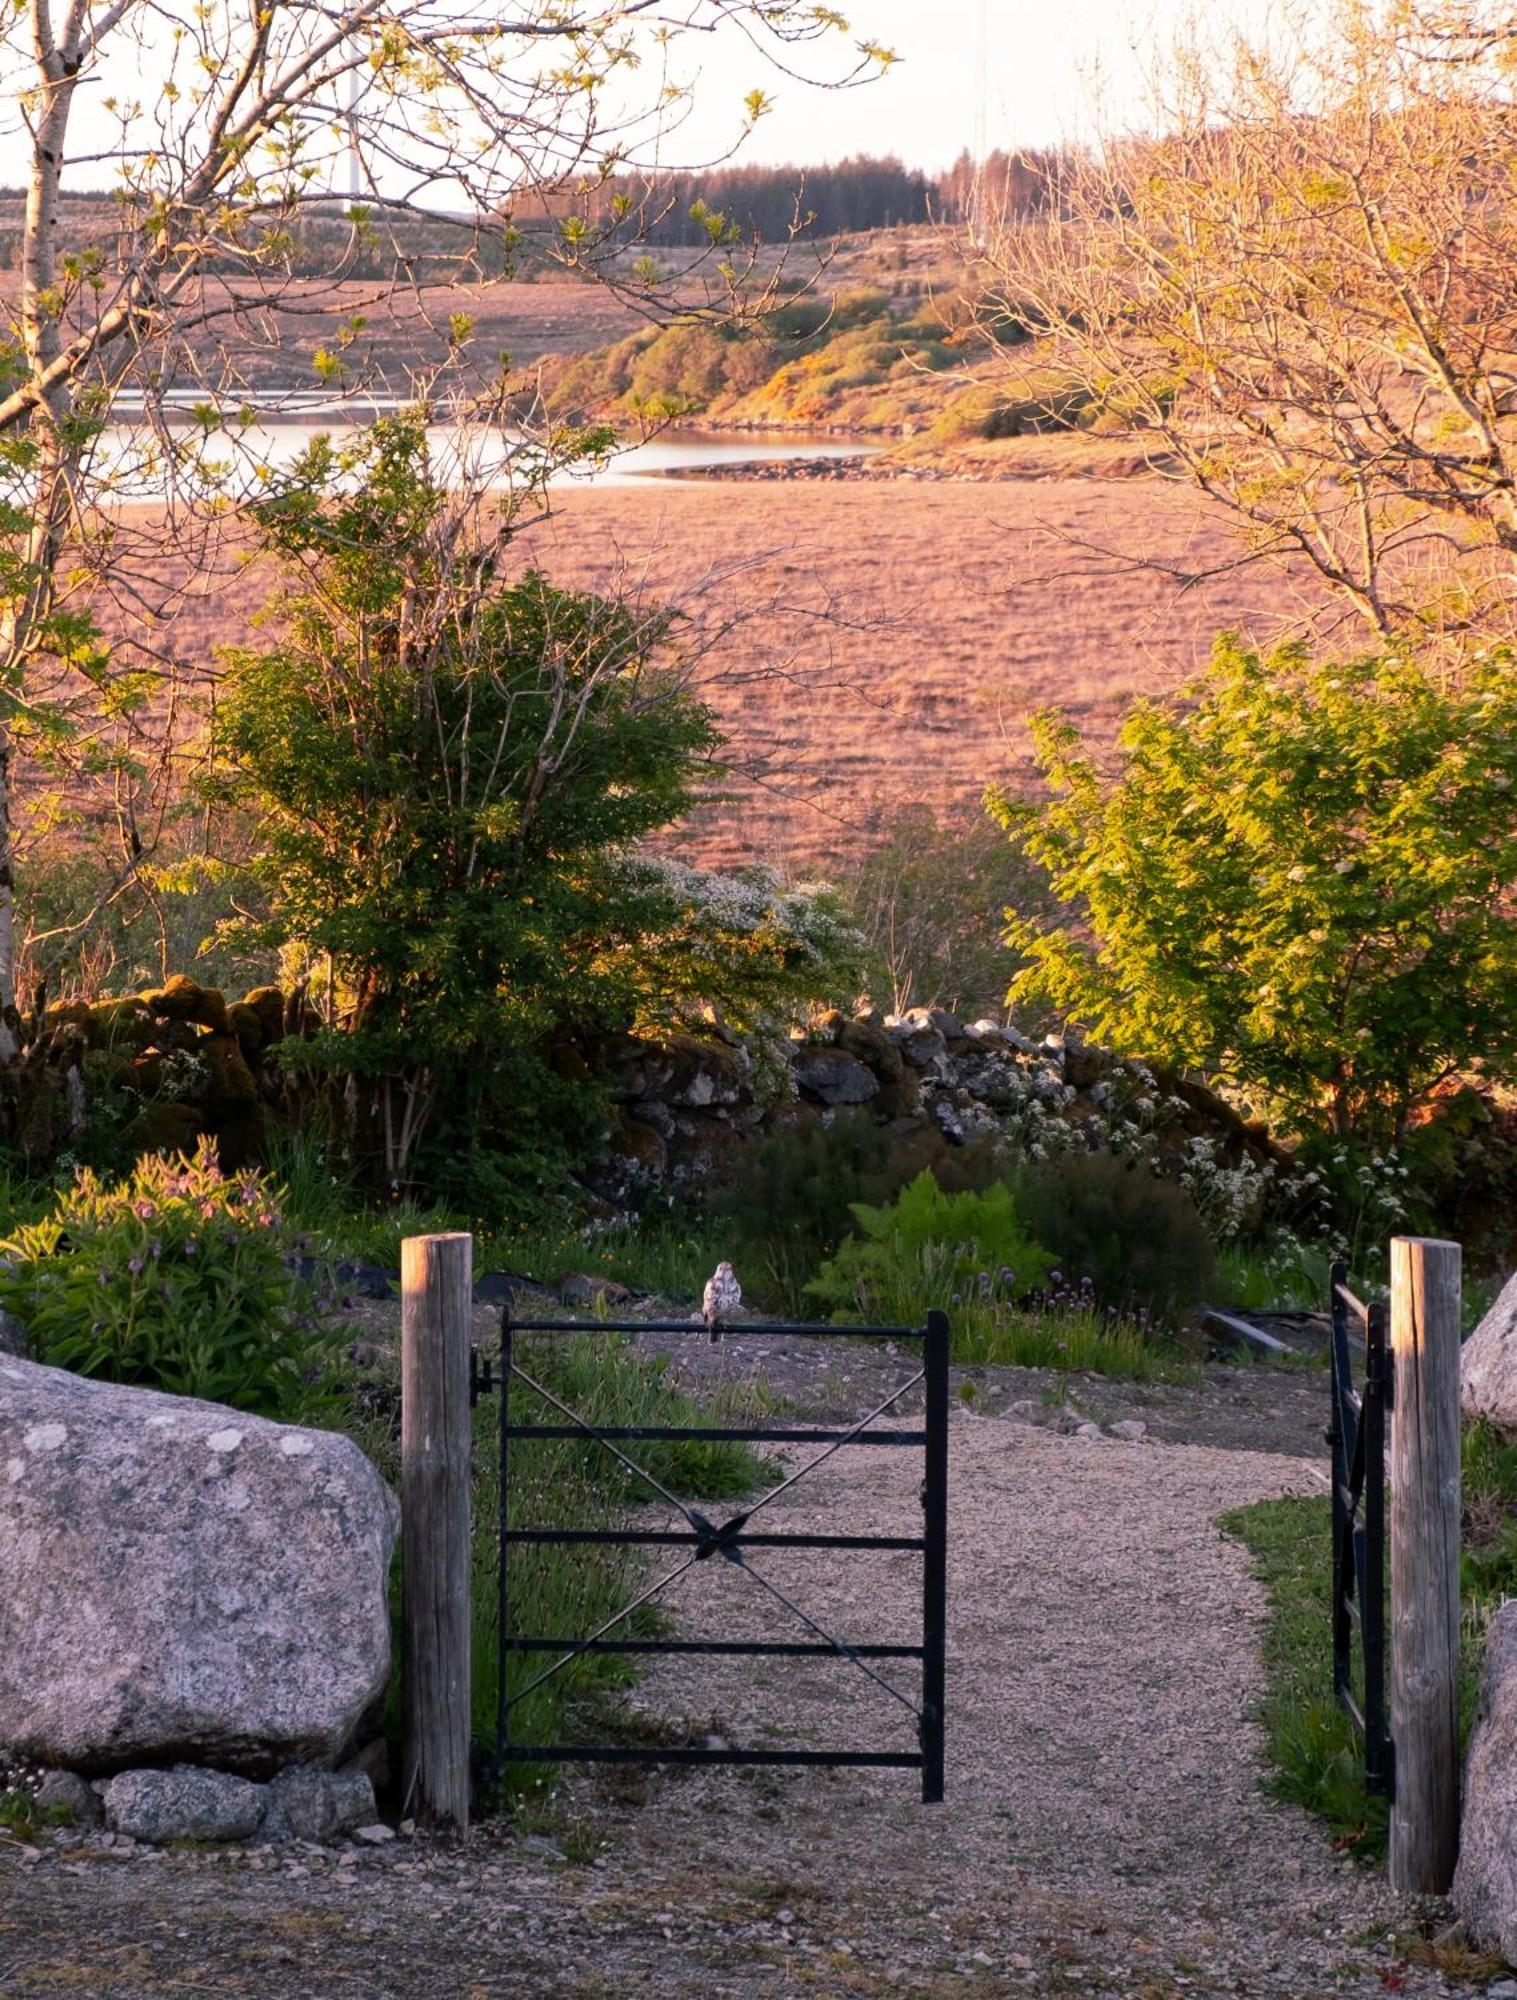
(1106, 1830)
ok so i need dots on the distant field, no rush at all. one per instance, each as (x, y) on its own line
(930, 621)
(911, 630)
(407, 329)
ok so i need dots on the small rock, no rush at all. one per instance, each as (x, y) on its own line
(184, 1804)
(373, 1761)
(1091, 1433)
(539, 1844)
(67, 1791)
(375, 1835)
(1129, 1429)
(309, 1804)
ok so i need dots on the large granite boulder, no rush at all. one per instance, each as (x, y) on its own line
(180, 1583)
(1488, 1363)
(1485, 1884)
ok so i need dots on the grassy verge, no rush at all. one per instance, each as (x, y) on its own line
(1314, 1751)
(1083, 1341)
(1316, 1756)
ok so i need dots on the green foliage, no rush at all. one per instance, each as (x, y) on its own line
(745, 945)
(445, 770)
(1318, 1758)
(792, 1199)
(1488, 1492)
(923, 1248)
(174, 1279)
(992, 1329)
(1300, 875)
(1136, 1241)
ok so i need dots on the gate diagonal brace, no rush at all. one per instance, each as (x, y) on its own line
(718, 1541)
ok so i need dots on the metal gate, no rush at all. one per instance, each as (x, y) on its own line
(1357, 1437)
(733, 1540)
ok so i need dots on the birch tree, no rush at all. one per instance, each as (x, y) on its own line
(219, 131)
(1299, 291)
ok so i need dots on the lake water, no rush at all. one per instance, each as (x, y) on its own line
(142, 461)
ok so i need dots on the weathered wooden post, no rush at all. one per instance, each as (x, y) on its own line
(1424, 1508)
(436, 1307)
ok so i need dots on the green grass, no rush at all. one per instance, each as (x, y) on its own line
(335, 1218)
(1291, 1277)
(1315, 1752)
(1084, 1341)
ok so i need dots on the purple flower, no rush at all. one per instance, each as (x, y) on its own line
(190, 1246)
(133, 1264)
(104, 1279)
(1056, 1277)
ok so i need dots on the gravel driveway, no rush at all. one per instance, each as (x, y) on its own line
(1105, 1831)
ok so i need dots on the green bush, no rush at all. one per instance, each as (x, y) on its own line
(925, 1248)
(176, 1280)
(1133, 1240)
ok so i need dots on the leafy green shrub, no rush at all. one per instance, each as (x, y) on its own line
(926, 1247)
(790, 1201)
(175, 1280)
(1133, 1239)
(1297, 876)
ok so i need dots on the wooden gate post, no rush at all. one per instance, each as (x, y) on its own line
(1424, 1509)
(436, 1310)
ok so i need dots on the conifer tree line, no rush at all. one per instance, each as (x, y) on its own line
(666, 212)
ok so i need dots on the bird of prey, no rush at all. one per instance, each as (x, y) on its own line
(722, 1297)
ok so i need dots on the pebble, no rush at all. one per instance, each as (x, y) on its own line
(375, 1835)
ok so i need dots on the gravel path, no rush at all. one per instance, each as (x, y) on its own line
(1105, 1832)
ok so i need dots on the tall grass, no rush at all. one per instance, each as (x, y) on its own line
(339, 1219)
(1315, 1751)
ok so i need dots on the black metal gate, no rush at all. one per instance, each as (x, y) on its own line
(732, 1540)
(1357, 1438)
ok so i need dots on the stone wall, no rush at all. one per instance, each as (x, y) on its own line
(176, 1062)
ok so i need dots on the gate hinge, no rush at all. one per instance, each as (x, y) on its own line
(481, 1377)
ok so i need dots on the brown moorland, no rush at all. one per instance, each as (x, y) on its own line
(911, 630)
(879, 642)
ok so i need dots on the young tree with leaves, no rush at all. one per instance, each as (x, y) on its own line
(1298, 289)
(223, 131)
(1300, 876)
(451, 769)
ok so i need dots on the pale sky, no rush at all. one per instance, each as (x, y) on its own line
(1042, 65)
(1043, 68)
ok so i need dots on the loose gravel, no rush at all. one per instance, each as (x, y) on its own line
(1106, 1831)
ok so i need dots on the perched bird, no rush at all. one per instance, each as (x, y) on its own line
(722, 1297)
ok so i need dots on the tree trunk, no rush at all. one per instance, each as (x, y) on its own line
(24, 617)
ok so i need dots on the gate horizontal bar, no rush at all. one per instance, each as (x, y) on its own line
(1355, 1305)
(712, 1434)
(787, 1649)
(698, 1325)
(674, 1538)
(609, 1753)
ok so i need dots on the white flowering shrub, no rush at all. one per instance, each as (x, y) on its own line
(744, 949)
